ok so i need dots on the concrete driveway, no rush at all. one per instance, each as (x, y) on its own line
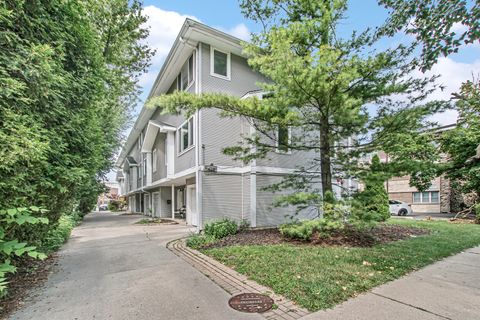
(114, 269)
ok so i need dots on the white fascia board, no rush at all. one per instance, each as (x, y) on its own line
(190, 34)
(274, 170)
(165, 181)
(151, 133)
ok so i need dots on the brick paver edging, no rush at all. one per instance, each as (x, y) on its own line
(235, 283)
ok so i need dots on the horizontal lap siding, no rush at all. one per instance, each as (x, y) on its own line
(165, 208)
(217, 134)
(243, 78)
(222, 197)
(159, 145)
(267, 214)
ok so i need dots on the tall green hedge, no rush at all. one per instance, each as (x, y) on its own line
(68, 73)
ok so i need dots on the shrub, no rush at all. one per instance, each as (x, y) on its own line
(57, 236)
(12, 247)
(115, 205)
(334, 216)
(197, 241)
(371, 205)
(221, 228)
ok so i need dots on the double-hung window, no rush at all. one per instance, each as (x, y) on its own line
(220, 64)
(185, 134)
(154, 160)
(283, 139)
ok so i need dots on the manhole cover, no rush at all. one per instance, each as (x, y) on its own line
(251, 302)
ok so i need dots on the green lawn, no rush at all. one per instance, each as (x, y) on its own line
(319, 278)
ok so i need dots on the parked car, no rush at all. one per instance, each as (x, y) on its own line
(399, 208)
(103, 207)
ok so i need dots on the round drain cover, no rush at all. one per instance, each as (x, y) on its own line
(251, 302)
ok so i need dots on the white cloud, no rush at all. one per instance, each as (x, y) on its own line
(452, 75)
(164, 27)
(459, 28)
(240, 31)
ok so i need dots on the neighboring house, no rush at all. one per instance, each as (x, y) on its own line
(112, 193)
(439, 198)
(171, 164)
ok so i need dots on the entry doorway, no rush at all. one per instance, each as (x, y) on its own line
(192, 214)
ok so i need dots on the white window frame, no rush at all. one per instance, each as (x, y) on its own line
(277, 141)
(190, 133)
(144, 167)
(191, 77)
(178, 81)
(154, 160)
(429, 200)
(212, 57)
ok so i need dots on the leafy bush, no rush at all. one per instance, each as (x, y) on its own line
(196, 241)
(334, 216)
(221, 228)
(57, 236)
(114, 205)
(9, 248)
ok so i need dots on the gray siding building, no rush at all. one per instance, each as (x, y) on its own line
(173, 166)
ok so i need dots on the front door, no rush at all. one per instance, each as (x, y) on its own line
(192, 217)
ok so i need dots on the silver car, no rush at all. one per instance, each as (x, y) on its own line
(399, 208)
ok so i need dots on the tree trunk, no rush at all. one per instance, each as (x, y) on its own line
(325, 160)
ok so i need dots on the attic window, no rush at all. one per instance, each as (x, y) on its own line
(220, 64)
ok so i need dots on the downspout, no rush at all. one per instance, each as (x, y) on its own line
(199, 149)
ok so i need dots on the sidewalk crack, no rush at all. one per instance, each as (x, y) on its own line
(412, 306)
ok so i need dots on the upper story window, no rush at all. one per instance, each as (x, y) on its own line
(191, 70)
(185, 135)
(426, 197)
(187, 76)
(220, 64)
(284, 139)
(154, 160)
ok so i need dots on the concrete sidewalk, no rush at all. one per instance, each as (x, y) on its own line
(448, 289)
(114, 269)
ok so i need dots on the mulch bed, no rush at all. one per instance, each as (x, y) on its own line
(147, 222)
(31, 274)
(349, 237)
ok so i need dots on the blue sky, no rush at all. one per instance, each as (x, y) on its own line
(167, 16)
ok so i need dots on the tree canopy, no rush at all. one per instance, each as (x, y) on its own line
(69, 73)
(441, 27)
(341, 98)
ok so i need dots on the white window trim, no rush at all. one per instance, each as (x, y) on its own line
(429, 197)
(212, 73)
(191, 77)
(277, 144)
(154, 160)
(179, 137)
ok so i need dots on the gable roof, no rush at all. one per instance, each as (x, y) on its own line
(191, 33)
